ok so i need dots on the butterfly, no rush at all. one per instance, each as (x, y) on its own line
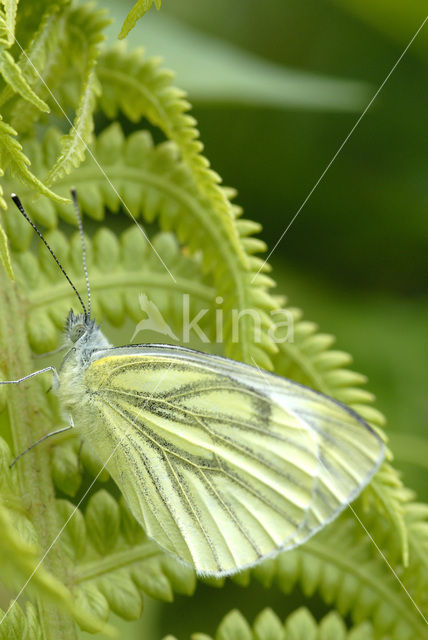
(221, 463)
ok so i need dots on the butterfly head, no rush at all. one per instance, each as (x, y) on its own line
(77, 326)
(84, 334)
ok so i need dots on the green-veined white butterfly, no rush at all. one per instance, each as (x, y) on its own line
(221, 463)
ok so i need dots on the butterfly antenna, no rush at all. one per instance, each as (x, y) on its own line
(82, 240)
(17, 201)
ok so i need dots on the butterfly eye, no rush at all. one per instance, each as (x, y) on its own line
(77, 332)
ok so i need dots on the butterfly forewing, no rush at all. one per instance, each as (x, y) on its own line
(221, 463)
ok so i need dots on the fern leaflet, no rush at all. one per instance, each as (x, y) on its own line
(139, 9)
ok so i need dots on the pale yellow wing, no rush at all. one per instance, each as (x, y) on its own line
(222, 464)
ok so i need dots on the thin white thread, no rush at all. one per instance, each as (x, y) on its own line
(14, 601)
(94, 159)
(385, 559)
(339, 149)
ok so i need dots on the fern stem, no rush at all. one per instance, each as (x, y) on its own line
(122, 280)
(28, 411)
(115, 561)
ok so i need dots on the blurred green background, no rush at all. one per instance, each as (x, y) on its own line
(276, 87)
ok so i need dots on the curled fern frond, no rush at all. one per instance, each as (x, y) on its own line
(139, 88)
(300, 624)
(139, 9)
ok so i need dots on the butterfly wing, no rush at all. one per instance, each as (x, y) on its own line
(221, 463)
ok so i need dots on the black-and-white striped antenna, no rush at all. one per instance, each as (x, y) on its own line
(82, 240)
(18, 203)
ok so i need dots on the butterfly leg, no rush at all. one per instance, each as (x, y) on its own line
(47, 435)
(32, 375)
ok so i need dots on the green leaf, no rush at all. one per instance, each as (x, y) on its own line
(342, 564)
(65, 470)
(139, 9)
(90, 600)
(102, 521)
(34, 631)
(12, 157)
(73, 538)
(14, 625)
(332, 627)
(300, 625)
(10, 8)
(121, 594)
(74, 145)
(20, 562)
(153, 582)
(267, 626)
(14, 77)
(42, 64)
(234, 627)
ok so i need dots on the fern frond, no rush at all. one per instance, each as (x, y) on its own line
(152, 181)
(90, 26)
(43, 64)
(393, 498)
(112, 564)
(141, 88)
(10, 9)
(120, 270)
(75, 143)
(299, 625)
(157, 184)
(20, 555)
(416, 516)
(344, 567)
(13, 158)
(139, 9)
(20, 623)
(149, 93)
(15, 79)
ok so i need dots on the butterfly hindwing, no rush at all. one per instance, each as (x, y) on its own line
(223, 464)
